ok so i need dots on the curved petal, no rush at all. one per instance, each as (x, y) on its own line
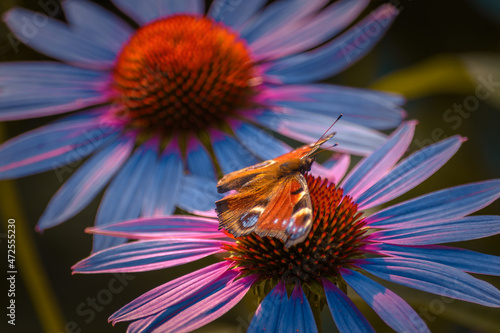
(209, 308)
(231, 154)
(333, 169)
(270, 310)
(433, 278)
(52, 146)
(161, 196)
(147, 255)
(146, 11)
(346, 315)
(97, 24)
(306, 127)
(281, 14)
(391, 308)
(123, 198)
(374, 167)
(410, 172)
(465, 260)
(57, 40)
(198, 194)
(308, 32)
(360, 106)
(436, 232)
(198, 159)
(176, 226)
(175, 291)
(297, 316)
(85, 183)
(234, 13)
(258, 142)
(335, 56)
(447, 204)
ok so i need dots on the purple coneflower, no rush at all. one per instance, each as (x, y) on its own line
(160, 104)
(397, 244)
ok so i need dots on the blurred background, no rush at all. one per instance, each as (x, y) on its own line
(437, 54)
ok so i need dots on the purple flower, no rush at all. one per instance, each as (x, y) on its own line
(399, 243)
(181, 90)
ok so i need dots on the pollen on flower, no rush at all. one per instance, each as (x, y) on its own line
(182, 73)
(335, 239)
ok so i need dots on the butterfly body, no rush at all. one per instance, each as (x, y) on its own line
(270, 198)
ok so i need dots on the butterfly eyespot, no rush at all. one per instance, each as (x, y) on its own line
(249, 219)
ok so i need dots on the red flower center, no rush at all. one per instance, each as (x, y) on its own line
(335, 239)
(182, 73)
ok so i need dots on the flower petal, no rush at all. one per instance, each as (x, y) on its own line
(308, 32)
(52, 146)
(332, 169)
(346, 315)
(146, 11)
(391, 308)
(374, 167)
(198, 194)
(97, 24)
(231, 154)
(270, 310)
(57, 40)
(447, 204)
(410, 172)
(234, 14)
(146, 255)
(433, 278)
(465, 260)
(176, 226)
(436, 232)
(161, 196)
(209, 308)
(85, 183)
(335, 56)
(172, 292)
(198, 160)
(298, 316)
(360, 106)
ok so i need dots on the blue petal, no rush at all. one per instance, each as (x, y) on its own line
(277, 14)
(372, 168)
(269, 312)
(345, 314)
(146, 255)
(123, 198)
(410, 172)
(231, 154)
(433, 278)
(161, 196)
(57, 40)
(465, 260)
(97, 24)
(436, 232)
(336, 56)
(310, 32)
(234, 14)
(393, 310)
(198, 160)
(259, 142)
(359, 106)
(85, 183)
(298, 316)
(198, 194)
(447, 204)
(52, 146)
(146, 11)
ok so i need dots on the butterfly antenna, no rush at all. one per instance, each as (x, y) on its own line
(329, 128)
(324, 149)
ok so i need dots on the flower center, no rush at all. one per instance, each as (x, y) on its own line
(335, 239)
(182, 73)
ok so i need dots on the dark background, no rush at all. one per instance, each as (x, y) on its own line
(424, 30)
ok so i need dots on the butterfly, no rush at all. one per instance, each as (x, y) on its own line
(270, 198)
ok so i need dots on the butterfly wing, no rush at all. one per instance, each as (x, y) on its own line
(237, 179)
(286, 213)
